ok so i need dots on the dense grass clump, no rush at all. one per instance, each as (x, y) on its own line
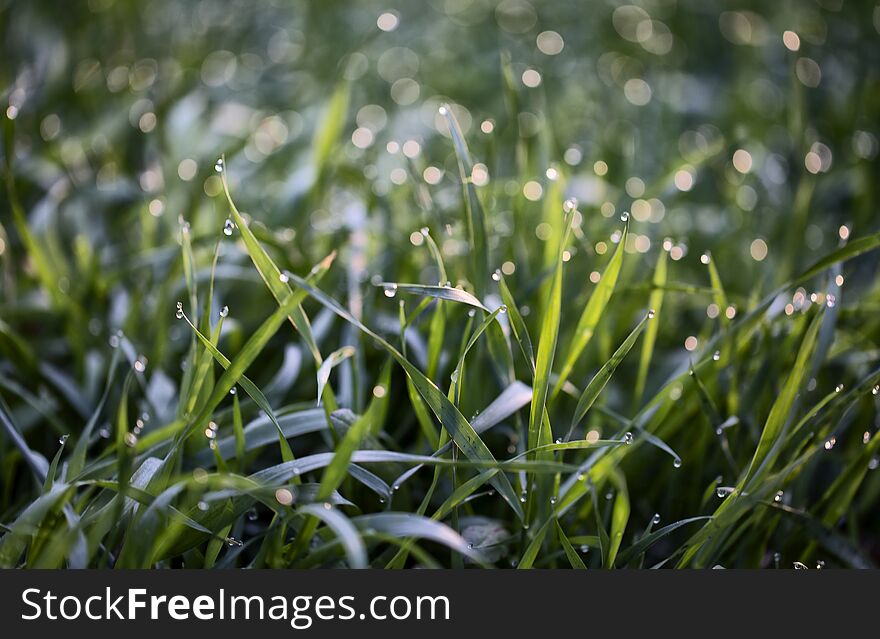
(596, 291)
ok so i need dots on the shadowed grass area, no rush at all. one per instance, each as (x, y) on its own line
(473, 284)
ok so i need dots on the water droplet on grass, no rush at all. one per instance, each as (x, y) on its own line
(778, 496)
(140, 364)
(390, 290)
(218, 165)
(655, 519)
(585, 548)
(624, 216)
(179, 313)
(723, 491)
(63, 439)
(651, 314)
(830, 442)
(716, 356)
(224, 311)
(283, 278)
(232, 541)
(570, 205)
(676, 463)
(131, 440)
(497, 275)
(252, 514)
(228, 227)
(627, 438)
(800, 566)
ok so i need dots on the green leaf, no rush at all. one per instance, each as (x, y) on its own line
(450, 417)
(603, 376)
(593, 311)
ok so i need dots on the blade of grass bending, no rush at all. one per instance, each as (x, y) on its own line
(453, 421)
(403, 525)
(602, 377)
(476, 223)
(852, 249)
(344, 530)
(334, 359)
(249, 387)
(271, 275)
(643, 544)
(592, 312)
(573, 557)
(439, 292)
(517, 325)
(655, 302)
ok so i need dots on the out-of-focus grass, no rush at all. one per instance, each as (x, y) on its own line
(467, 284)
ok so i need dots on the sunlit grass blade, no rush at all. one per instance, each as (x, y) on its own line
(602, 377)
(593, 311)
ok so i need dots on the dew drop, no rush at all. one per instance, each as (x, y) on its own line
(218, 165)
(800, 566)
(676, 463)
(705, 259)
(651, 314)
(114, 341)
(140, 364)
(252, 514)
(131, 440)
(395, 487)
(723, 491)
(327, 505)
(838, 388)
(716, 355)
(425, 231)
(381, 500)
(655, 519)
(232, 541)
(283, 278)
(830, 300)
(179, 313)
(829, 443)
(104, 433)
(876, 390)
(585, 548)
(203, 506)
(63, 439)
(553, 500)
(778, 496)
(224, 311)
(471, 313)
(232, 391)
(228, 227)
(570, 205)
(443, 110)
(497, 275)
(874, 463)
(627, 438)
(390, 290)
(523, 496)
(503, 308)
(624, 217)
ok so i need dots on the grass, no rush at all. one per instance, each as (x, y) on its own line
(564, 330)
